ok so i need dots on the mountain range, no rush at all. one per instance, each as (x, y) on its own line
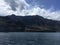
(34, 23)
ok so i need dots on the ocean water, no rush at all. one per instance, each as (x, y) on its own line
(29, 38)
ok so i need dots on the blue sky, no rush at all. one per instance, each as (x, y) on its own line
(47, 3)
(49, 9)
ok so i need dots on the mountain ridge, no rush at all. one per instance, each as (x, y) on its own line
(36, 23)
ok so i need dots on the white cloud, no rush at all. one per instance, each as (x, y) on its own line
(23, 8)
(4, 8)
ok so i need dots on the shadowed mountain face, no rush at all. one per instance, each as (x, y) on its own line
(28, 24)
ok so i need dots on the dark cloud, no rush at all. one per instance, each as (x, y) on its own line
(12, 4)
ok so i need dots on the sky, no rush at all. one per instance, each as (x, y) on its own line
(49, 9)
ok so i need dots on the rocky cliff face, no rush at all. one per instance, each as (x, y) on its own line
(28, 24)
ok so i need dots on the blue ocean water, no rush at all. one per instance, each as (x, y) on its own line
(29, 38)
